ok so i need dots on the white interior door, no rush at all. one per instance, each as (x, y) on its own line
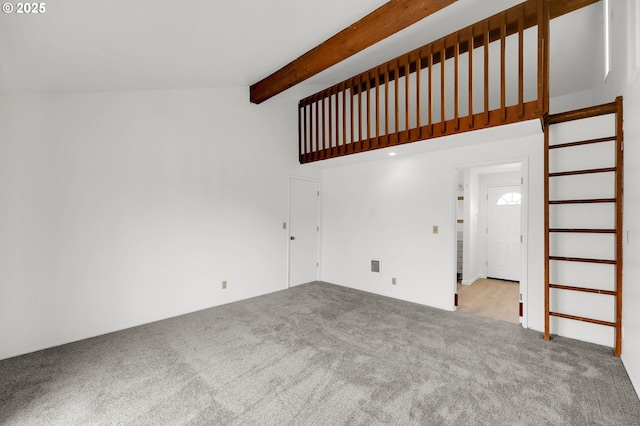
(303, 231)
(503, 232)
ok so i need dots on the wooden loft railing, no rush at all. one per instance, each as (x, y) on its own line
(472, 79)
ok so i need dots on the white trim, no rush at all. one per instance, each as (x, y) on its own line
(471, 281)
(633, 40)
(524, 248)
(606, 25)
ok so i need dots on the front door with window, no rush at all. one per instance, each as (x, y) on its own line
(503, 232)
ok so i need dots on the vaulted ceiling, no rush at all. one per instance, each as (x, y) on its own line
(110, 45)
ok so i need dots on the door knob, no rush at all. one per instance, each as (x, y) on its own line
(293, 238)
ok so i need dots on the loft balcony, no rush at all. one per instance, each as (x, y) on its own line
(491, 73)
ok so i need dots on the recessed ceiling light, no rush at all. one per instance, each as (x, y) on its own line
(392, 154)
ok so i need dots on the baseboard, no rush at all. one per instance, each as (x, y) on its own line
(471, 281)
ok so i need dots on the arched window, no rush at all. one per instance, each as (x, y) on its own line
(510, 199)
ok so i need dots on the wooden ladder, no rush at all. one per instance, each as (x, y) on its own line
(565, 294)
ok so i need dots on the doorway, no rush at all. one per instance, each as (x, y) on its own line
(304, 228)
(492, 222)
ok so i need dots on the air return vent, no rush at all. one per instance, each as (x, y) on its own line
(375, 266)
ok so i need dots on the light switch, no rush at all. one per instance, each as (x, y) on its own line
(435, 229)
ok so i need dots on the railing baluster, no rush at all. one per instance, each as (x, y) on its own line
(521, 61)
(367, 83)
(418, 89)
(540, 56)
(407, 96)
(430, 64)
(300, 129)
(310, 106)
(486, 72)
(304, 124)
(344, 118)
(456, 99)
(503, 60)
(443, 112)
(396, 76)
(360, 138)
(470, 48)
(377, 81)
(324, 128)
(317, 141)
(330, 113)
(351, 128)
(337, 105)
(386, 102)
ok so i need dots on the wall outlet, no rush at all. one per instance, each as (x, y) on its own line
(393, 280)
(435, 229)
(224, 285)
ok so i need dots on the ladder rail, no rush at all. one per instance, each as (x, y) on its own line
(547, 307)
(585, 113)
(619, 222)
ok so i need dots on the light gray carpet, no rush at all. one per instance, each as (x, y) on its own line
(319, 354)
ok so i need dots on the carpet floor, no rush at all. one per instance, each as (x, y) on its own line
(319, 354)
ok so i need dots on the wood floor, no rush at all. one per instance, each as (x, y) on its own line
(495, 299)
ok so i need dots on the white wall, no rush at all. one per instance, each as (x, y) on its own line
(619, 83)
(123, 208)
(386, 210)
(631, 289)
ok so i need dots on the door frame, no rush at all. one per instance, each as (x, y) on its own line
(288, 233)
(524, 227)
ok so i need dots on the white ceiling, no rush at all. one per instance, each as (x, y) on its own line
(111, 45)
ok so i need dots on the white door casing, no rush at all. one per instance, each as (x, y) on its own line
(303, 231)
(503, 232)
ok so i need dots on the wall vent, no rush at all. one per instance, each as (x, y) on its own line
(375, 266)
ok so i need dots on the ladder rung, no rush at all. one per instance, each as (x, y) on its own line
(582, 259)
(578, 143)
(583, 172)
(586, 201)
(580, 114)
(584, 231)
(583, 289)
(584, 319)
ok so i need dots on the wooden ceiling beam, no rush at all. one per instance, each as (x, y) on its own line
(383, 22)
(378, 25)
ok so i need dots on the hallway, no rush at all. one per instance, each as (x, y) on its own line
(490, 298)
